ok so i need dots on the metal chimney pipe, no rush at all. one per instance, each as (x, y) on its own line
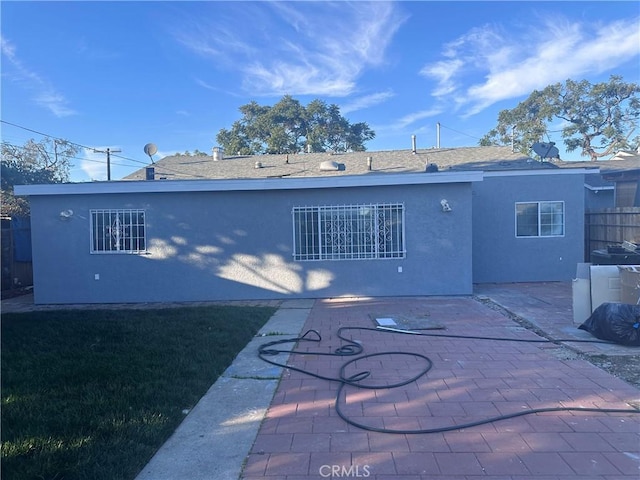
(413, 143)
(438, 135)
(217, 154)
(369, 162)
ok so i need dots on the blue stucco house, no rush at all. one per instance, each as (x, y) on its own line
(390, 223)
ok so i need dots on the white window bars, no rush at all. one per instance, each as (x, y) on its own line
(348, 232)
(118, 231)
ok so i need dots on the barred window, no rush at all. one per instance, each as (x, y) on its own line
(540, 219)
(118, 231)
(348, 232)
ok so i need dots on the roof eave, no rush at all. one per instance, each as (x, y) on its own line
(164, 186)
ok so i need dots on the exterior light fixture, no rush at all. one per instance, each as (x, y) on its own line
(445, 205)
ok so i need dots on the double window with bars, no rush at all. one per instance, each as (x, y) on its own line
(348, 232)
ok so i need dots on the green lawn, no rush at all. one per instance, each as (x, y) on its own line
(93, 394)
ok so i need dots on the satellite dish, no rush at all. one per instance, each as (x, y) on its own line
(150, 149)
(546, 150)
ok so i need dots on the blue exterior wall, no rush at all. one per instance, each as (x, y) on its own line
(597, 199)
(498, 255)
(238, 245)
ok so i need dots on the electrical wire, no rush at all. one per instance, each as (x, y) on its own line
(461, 133)
(82, 159)
(69, 142)
(354, 348)
(112, 155)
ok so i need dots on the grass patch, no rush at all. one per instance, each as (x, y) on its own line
(94, 393)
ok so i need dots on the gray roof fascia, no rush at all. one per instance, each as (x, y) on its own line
(598, 189)
(552, 171)
(218, 185)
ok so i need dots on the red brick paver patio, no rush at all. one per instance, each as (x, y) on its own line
(303, 437)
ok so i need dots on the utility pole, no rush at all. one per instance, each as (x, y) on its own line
(108, 152)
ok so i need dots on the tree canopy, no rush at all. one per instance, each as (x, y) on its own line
(290, 127)
(47, 161)
(598, 120)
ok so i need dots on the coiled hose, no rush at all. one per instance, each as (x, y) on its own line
(352, 348)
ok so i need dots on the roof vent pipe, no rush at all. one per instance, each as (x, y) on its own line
(438, 135)
(218, 154)
(413, 143)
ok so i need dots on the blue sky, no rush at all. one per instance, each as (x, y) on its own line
(124, 74)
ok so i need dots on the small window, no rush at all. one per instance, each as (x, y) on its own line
(118, 231)
(348, 232)
(540, 219)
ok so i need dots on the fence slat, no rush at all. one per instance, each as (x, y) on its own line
(611, 226)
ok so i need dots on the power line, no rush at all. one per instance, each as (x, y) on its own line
(461, 133)
(168, 170)
(108, 152)
(83, 159)
(68, 141)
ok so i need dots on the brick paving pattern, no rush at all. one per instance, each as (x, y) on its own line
(302, 436)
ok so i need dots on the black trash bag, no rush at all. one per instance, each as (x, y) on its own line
(616, 322)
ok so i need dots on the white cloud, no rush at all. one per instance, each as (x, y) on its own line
(94, 164)
(514, 66)
(314, 48)
(366, 101)
(45, 94)
(444, 72)
(416, 116)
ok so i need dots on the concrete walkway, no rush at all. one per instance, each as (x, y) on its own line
(214, 439)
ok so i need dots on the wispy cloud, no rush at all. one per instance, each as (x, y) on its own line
(87, 50)
(416, 116)
(366, 101)
(45, 94)
(94, 164)
(318, 48)
(408, 124)
(514, 65)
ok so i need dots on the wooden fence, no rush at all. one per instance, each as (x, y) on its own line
(611, 226)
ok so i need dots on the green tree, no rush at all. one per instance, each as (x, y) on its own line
(599, 120)
(290, 127)
(47, 161)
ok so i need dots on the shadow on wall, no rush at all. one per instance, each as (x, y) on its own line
(269, 271)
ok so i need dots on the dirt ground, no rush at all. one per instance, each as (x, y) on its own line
(625, 367)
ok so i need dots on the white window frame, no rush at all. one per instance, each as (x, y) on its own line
(118, 231)
(349, 232)
(542, 223)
